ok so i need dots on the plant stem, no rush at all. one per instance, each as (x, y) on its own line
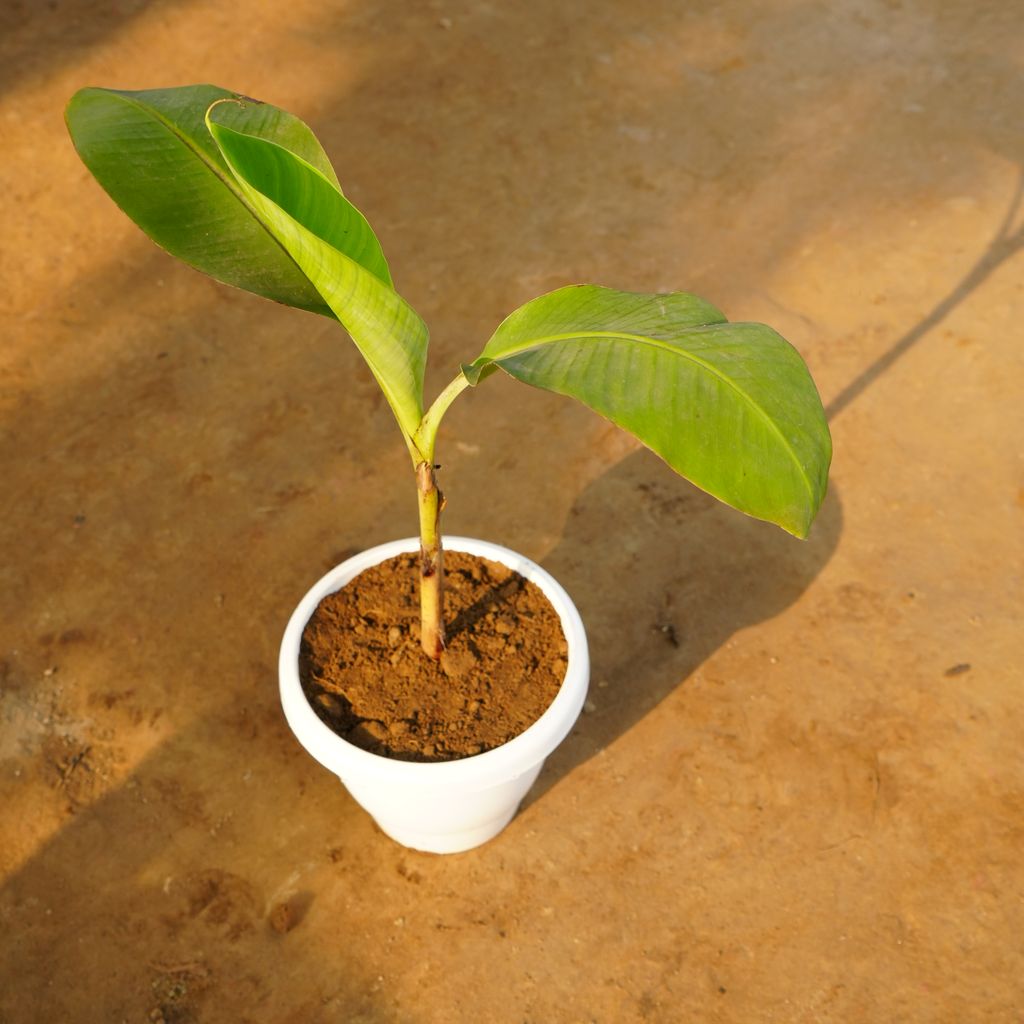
(431, 502)
(426, 435)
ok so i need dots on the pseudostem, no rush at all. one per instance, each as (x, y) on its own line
(431, 503)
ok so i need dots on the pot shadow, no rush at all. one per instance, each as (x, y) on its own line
(663, 575)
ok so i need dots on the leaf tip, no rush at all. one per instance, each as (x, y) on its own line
(801, 523)
(77, 98)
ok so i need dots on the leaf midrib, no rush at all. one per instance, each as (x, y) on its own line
(643, 339)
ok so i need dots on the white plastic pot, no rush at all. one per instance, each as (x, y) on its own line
(447, 806)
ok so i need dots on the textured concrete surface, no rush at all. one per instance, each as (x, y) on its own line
(800, 793)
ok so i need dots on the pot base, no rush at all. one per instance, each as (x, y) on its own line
(443, 819)
(449, 842)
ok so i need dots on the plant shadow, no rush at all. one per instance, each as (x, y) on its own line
(1005, 244)
(663, 575)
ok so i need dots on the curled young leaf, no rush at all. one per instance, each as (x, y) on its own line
(331, 243)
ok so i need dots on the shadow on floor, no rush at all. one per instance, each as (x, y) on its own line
(1005, 244)
(41, 35)
(172, 893)
(663, 576)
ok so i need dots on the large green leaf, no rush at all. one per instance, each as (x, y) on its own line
(307, 215)
(258, 207)
(731, 407)
(151, 151)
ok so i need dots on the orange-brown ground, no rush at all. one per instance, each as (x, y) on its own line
(798, 794)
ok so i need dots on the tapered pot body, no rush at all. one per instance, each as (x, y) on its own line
(448, 806)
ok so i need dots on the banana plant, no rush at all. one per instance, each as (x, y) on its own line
(243, 191)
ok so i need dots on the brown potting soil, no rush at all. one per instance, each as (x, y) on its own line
(365, 674)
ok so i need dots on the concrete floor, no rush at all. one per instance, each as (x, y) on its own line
(809, 809)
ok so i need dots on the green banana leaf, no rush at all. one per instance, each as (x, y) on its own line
(153, 155)
(243, 191)
(731, 407)
(270, 219)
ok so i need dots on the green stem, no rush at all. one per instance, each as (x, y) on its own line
(426, 435)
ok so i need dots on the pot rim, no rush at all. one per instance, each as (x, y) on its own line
(477, 771)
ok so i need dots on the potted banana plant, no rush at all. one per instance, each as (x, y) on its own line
(243, 191)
